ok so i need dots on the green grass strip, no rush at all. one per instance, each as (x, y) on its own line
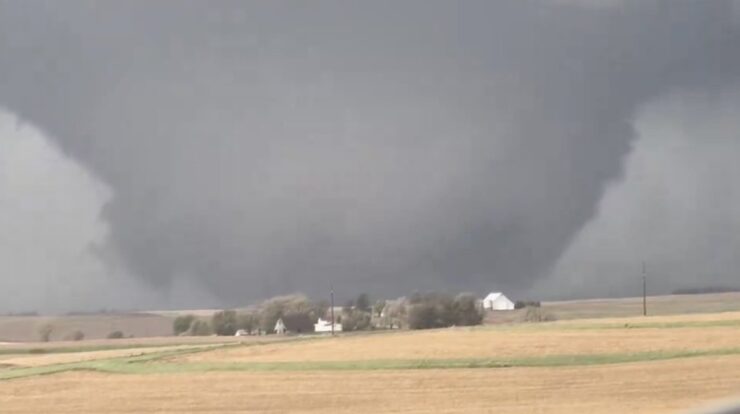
(40, 350)
(156, 364)
(104, 363)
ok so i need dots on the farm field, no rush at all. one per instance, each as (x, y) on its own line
(660, 364)
(629, 307)
(94, 326)
(662, 387)
(657, 305)
(659, 334)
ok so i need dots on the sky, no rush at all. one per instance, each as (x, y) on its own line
(212, 154)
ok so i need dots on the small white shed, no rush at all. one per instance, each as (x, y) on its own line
(497, 301)
(280, 327)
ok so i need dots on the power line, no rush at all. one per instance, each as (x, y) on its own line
(332, 309)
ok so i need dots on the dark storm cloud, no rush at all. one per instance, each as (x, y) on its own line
(383, 146)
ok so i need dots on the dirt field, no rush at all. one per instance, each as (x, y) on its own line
(484, 344)
(655, 387)
(26, 328)
(659, 364)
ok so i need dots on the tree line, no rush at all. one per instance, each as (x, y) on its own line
(299, 314)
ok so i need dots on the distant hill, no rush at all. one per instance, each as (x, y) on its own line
(704, 290)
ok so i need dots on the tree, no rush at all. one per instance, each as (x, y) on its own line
(395, 313)
(182, 324)
(224, 323)
(115, 335)
(200, 328)
(45, 332)
(437, 310)
(298, 322)
(466, 310)
(356, 321)
(378, 308)
(248, 321)
(423, 316)
(289, 306)
(321, 307)
(362, 303)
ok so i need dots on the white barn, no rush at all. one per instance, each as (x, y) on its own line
(497, 301)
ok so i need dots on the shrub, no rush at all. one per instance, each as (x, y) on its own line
(535, 314)
(75, 336)
(182, 324)
(521, 304)
(224, 323)
(115, 335)
(200, 328)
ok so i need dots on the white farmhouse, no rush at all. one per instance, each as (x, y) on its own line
(497, 301)
(325, 326)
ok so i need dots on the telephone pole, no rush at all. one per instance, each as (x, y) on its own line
(644, 289)
(332, 309)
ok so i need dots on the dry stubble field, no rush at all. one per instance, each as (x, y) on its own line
(643, 365)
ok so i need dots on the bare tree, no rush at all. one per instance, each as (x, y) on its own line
(45, 332)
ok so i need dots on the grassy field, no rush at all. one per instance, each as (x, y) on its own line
(607, 364)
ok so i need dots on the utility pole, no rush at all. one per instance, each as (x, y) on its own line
(644, 289)
(332, 310)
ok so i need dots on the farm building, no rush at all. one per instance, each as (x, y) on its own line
(325, 326)
(497, 301)
(280, 327)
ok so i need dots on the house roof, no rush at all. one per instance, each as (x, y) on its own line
(494, 295)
